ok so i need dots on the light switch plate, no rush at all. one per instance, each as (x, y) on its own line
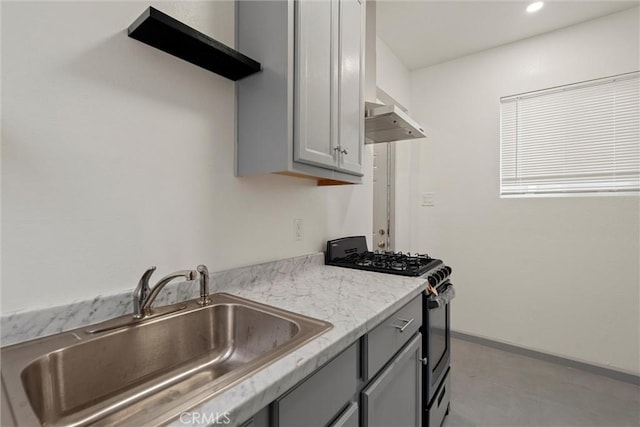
(428, 199)
(298, 228)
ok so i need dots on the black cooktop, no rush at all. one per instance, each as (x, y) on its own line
(352, 252)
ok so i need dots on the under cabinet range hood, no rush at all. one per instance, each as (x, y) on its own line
(387, 123)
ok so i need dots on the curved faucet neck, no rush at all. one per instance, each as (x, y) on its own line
(144, 307)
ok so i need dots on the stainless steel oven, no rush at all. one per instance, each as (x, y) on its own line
(436, 351)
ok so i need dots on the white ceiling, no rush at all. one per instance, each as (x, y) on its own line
(423, 33)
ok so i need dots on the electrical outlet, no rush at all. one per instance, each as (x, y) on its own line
(298, 229)
(428, 199)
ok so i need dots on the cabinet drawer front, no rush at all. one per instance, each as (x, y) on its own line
(387, 338)
(440, 405)
(319, 398)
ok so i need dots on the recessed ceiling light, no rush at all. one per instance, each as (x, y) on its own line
(534, 7)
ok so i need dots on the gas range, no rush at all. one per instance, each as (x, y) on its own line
(352, 252)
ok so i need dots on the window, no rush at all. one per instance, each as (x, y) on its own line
(576, 139)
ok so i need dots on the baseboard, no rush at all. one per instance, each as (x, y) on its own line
(594, 369)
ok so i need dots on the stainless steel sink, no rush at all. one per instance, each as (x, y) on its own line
(131, 372)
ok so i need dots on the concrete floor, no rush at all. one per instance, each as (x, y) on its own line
(495, 388)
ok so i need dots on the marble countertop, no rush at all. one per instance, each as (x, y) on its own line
(353, 301)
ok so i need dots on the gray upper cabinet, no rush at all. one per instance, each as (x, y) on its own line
(303, 115)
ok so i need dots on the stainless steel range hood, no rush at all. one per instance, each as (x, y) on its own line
(387, 123)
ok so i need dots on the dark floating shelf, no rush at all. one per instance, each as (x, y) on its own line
(163, 32)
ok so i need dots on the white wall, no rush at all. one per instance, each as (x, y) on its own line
(394, 78)
(116, 156)
(559, 275)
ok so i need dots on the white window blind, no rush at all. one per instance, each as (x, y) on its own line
(581, 138)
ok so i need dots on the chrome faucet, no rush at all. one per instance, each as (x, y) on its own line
(204, 284)
(144, 295)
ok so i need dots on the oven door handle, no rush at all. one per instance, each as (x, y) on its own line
(444, 298)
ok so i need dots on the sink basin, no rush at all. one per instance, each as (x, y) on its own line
(127, 371)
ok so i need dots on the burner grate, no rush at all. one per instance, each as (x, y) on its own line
(352, 252)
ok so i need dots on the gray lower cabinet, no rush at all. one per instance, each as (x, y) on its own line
(376, 382)
(386, 339)
(348, 417)
(394, 397)
(323, 396)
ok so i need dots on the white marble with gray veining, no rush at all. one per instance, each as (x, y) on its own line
(26, 325)
(353, 301)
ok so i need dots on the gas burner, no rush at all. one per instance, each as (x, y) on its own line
(352, 252)
(398, 265)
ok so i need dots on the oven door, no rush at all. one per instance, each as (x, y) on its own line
(436, 345)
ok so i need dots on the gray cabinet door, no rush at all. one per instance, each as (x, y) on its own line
(351, 86)
(315, 70)
(394, 397)
(348, 417)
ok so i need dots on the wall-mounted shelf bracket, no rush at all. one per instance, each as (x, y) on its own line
(163, 32)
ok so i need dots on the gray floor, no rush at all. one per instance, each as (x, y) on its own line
(495, 388)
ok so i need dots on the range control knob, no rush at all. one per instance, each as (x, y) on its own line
(449, 269)
(432, 280)
(442, 274)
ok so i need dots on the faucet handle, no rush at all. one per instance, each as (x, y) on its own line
(142, 291)
(144, 281)
(204, 284)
